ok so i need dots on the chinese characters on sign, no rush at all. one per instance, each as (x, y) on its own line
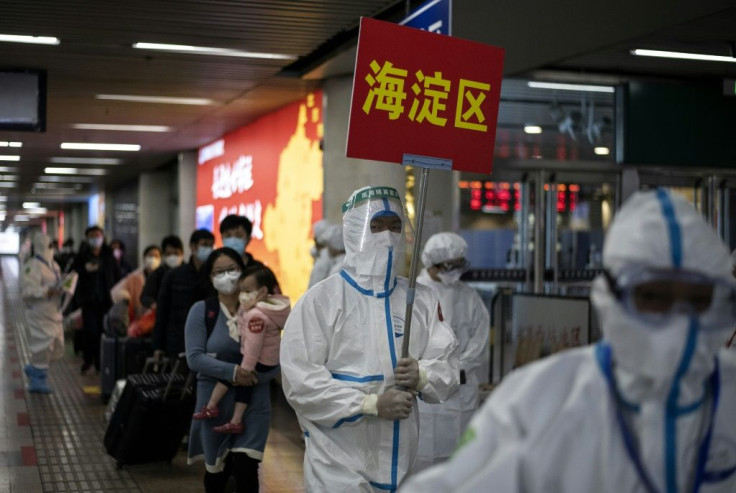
(424, 94)
(430, 94)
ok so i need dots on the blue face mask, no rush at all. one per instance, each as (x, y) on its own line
(237, 244)
(203, 252)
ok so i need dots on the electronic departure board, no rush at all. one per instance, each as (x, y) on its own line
(488, 197)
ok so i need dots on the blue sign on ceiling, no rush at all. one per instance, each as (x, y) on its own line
(433, 16)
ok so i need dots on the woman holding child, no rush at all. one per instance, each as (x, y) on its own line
(216, 356)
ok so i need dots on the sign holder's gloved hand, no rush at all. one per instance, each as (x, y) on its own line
(395, 404)
(406, 373)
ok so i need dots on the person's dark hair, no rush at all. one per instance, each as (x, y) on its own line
(172, 241)
(151, 248)
(92, 228)
(233, 221)
(201, 234)
(264, 276)
(207, 269)
(69, 242)
(119, 242)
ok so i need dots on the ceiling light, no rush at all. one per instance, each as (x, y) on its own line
(85, 160)
(75, 171)
(8, 169)
(570, 87)
(10, 144)
(532, 129)
(47, 192)
(31, 205)
(58, 186)
(204, 50)
(602, 151)
(8, 177)
(3, 198)
(7, 184)
(37, 210)
(683, 56)
(122, 128)
(9, 158)
(22, 217)
(83, 146)
(155, 99)
(38, 40)
(66, 179)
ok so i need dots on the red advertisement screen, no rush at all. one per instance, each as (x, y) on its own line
(271, 172)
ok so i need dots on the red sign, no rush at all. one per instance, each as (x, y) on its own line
(425, 94)
(271, 172)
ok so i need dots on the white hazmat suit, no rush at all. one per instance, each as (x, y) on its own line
(337, 248)
(441, 425)
(649, 409)
(41, 277)
(339, 349)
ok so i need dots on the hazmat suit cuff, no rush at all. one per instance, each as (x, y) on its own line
(423, 379)
(370, 405)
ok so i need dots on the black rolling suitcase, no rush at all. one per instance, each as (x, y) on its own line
(151, 418)
(111, 368)
(119, 357)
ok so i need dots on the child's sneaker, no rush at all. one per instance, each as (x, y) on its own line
(234, 428)
(207, 413)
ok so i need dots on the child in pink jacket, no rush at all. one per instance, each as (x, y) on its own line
(260, 319)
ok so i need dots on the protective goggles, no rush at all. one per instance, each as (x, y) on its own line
(654, 296)
(452, 266)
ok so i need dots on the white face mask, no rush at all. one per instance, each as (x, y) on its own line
(226, 283)
(651, 351)
(151, 262)
(117, 253)
(248, 298)
(173, 260)
(448, 278)
(96, 242)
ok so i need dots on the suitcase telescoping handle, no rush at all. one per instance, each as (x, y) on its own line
(154, 365)
(187, 384)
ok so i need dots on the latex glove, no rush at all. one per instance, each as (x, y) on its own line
(394, 404)
(406, 373)
(245, 377)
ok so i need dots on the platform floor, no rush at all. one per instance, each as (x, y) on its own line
(53, 443)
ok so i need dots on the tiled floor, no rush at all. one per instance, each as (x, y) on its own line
(53, 443)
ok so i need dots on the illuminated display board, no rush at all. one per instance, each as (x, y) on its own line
(271, 172)
(490, 197)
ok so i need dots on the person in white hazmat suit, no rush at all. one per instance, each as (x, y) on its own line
(341, 357)
(442, 425)
(322, 260)
(649, 408)
(41, 293)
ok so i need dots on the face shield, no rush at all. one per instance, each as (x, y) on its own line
(374, 218)
(655, 296)
(376, 230)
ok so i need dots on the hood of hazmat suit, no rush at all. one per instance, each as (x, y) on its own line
(651, 406)
(375, 232)
(341, 344)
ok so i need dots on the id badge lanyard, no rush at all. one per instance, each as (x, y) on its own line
(45, 262)
(604, 357)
